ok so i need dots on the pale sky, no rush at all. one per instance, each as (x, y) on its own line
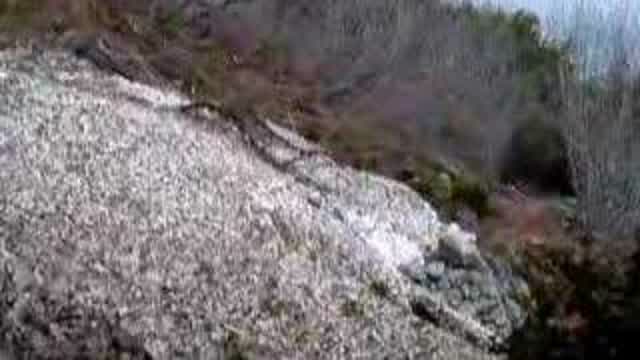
(599, 23)
(606, 10)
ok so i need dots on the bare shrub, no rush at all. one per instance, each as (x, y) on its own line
(604, 154)
(420, 66)
(602, 129)
(521, 220)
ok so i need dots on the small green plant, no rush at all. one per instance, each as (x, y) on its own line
(380, 288)
(17, 14)
(272, 50)
(206, 77)
(274, 307)
(236, 345)
(353, 309)
(471, 193)
(171, 23)
(303, 336)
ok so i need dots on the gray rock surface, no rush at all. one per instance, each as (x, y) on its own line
(478, 296)
(167, 235)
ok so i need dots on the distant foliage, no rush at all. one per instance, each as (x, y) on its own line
(448, 80)
(536, 59)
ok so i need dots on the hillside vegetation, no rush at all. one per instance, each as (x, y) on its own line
(471, 107)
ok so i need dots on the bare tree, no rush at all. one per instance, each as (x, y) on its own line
(602, 130)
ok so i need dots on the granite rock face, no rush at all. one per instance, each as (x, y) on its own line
(478, 296)
(130, 227)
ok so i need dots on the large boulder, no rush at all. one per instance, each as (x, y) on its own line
(130, 226)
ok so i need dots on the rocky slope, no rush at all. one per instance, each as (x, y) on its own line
(129, 225)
